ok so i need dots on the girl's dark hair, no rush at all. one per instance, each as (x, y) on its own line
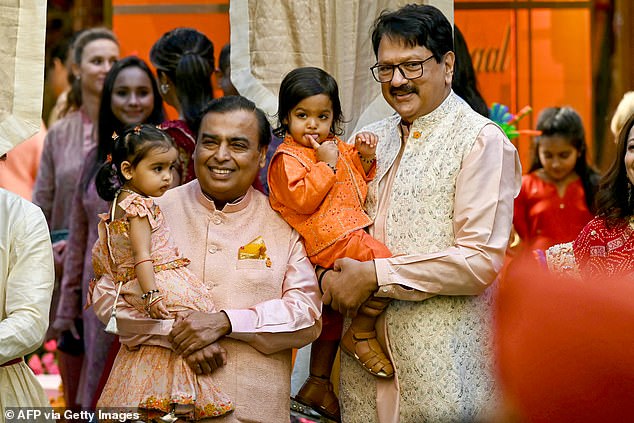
(464, 81)
(231, 103)
(224, 60)
(82, 39)
(565, 122)
(613, 199)
(186, 56)
(415, 25)
(108, 122)
(302, 83)
(132, 146)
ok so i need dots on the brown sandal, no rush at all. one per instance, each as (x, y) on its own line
(317, 393)
(366, 349)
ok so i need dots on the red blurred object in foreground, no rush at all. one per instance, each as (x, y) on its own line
(566, 347)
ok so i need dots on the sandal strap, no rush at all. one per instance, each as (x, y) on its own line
(375, 359)
(362, 336)
(330, 403)
(318, 380)
(320, 397)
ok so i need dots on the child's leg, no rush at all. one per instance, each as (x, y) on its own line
(322, 357)
(360, 340)
(317, 392)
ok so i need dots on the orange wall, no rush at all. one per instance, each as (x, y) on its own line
(139, 23)
(546, 62)
(524, 56)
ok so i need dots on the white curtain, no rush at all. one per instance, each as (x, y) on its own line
(22, 36)
(269, 38)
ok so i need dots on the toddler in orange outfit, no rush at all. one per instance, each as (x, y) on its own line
(319, 184)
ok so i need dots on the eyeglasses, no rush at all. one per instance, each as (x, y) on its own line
(410, 70)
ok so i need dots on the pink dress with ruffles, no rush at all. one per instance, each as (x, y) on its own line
(151, 378)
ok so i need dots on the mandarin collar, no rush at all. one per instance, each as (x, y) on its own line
(236, 206)
(436, 115)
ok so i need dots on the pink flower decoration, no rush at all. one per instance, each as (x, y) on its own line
(53, 369)
(50, 345)
(48, 359)
(36, 364)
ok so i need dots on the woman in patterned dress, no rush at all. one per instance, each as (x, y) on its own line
(184, 62)
(605, 246)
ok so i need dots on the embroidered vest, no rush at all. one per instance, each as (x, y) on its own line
(443, 346)
(339, 214)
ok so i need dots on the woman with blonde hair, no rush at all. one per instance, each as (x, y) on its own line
(623, 111)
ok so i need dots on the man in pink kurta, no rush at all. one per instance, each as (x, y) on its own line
(271, 305)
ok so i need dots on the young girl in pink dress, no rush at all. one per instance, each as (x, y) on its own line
(136, 249)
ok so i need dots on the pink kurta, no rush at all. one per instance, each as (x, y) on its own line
(65, 147)
(85, 209)
(271, 309)
(134, 381)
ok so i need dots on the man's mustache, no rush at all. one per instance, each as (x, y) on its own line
(403, 90)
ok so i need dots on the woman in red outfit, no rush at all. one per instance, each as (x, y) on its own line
(605, 246)
(557, 196)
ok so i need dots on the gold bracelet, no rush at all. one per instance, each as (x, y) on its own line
(155, 300)
(142, 261)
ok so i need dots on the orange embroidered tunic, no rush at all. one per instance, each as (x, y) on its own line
(322, 206)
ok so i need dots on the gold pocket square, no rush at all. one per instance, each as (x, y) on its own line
(256, 250)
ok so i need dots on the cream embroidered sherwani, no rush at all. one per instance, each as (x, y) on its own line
(442, 201)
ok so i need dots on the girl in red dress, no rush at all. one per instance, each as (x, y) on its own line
(557, 195)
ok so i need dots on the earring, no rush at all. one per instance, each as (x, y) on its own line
(629, 194)
(164, 88)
